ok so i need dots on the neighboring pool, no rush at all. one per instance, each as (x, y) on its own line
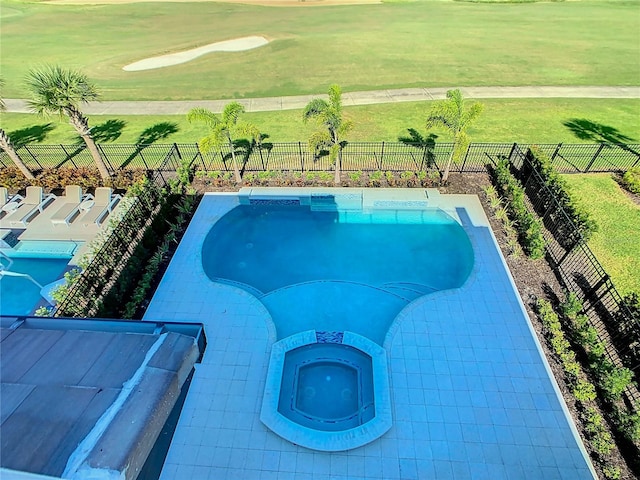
(44, 262)
(336, 270)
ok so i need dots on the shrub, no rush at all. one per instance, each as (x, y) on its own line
(612, 472)
(124, 179)
(13, 179)
(631, 180)
(615, 381)
(578, 215)
(375, 178)
(54, 178)
(584, 391)
(630, 422)
(528, 227)
(571, 306)
(355, 176)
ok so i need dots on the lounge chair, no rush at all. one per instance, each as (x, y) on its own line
(33, 204)
(8, 203)
(71, 205)
(103, 203)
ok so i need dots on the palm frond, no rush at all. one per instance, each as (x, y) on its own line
(333, 152)
(452, 114)
(314, 108)
(318, 139)
(231, 112)
(56, 89)
(202, 115)
(472, 113)
(212, 141)
(248, 128)
(345, 127)
(335, 97)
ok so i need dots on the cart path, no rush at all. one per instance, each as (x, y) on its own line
(268, 104)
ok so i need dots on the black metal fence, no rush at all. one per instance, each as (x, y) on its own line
(296, 156)
(577, 267)
(84, 297)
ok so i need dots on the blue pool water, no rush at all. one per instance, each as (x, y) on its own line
(44, 261)
(327, 386)
(336, 271)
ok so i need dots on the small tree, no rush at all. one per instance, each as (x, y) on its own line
(223, 129)
(452, 114)
(329, 116)
(7, 146)
(62, 91)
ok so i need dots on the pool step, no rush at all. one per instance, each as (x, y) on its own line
(410, 291)
(400, 198)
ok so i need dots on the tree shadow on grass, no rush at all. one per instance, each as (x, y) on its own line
(426, 144)
(246, 148)
(599, 133)
(32, 134)
(150, 135)
(596, 132)
(108, 131)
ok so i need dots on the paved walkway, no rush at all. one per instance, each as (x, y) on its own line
(268, 104)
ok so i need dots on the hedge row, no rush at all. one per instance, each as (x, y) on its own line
(599, 438)
(558, 187)
(528, 226)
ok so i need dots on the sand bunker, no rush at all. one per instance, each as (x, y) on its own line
(235, 45)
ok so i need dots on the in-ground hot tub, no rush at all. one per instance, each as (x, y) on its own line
(327, 386)
(327, 391)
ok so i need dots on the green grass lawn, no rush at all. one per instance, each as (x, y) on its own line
(616, 244)
(389, 45)
(521, 120)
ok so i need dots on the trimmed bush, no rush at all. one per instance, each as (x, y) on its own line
(529, 228)
(558, 187)
(631, 180)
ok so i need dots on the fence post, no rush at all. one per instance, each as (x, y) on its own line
(301, 157)
(67, 156)
(381, 157)
(555, 153)
(105, 158)
(199, 154)
(35, 159)
(464, 161)
(594, 158)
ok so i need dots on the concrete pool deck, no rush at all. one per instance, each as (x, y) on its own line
(472, 395)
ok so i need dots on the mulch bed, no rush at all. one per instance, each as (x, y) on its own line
(534, 279)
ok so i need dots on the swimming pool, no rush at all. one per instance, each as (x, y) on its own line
(471, 395)
(26, 269)
(340, 269)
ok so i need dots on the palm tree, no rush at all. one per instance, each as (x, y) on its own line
(223, 129)
(328, 115)
(7, 146)
(62, 91)
(452, 114)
